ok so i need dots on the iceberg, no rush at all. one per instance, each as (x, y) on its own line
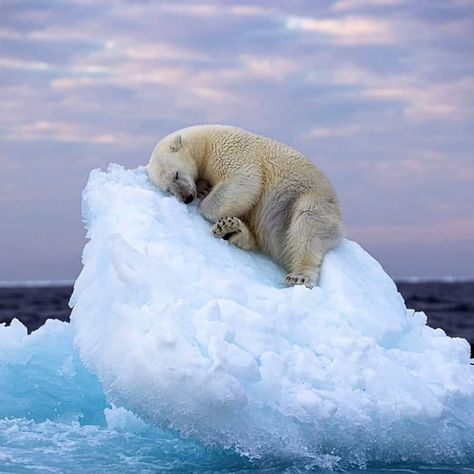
(192, 334)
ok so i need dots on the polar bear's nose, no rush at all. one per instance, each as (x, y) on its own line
(189, 199)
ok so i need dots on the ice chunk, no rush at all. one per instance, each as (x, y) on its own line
(42, 378)
(189, 332)
(52, 416)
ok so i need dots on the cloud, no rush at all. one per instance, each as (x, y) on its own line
(271, 68)
(343, 5)
(13, 63)
(421, 99)
(350, 30)
(438, 233)
(335, 132)
(66, 132)
(421, 166)
(214, 9)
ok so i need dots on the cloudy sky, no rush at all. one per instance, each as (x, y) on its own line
(378, 93)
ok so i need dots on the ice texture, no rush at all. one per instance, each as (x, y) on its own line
(54, 416)
(191, 333)
(42, 378)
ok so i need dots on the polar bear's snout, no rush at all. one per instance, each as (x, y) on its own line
(184, 190)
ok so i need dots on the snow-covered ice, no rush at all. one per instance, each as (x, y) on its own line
(189, 332)
(185, 333)
(54, 416)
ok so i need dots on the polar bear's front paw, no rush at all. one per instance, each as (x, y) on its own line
(226, 227)
(203, 188)
(298, 278)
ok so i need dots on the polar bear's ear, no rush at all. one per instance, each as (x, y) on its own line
(176, 144)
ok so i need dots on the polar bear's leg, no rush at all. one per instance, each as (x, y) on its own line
(233, 197)
(314, 229)
(203, 188)
(235, 231)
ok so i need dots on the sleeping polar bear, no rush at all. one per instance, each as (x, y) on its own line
(259, 193)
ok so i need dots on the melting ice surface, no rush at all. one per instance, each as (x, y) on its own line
(187, 353)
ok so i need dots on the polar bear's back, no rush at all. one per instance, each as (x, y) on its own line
(229, 146)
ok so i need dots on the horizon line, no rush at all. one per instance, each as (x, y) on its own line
(70, 282)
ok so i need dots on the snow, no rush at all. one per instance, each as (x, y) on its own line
(189, 332)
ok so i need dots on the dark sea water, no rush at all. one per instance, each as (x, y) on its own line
(448, 305)
(61, 447)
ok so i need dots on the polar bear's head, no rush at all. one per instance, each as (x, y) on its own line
(173, 169)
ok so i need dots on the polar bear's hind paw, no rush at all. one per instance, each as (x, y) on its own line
(225, 227)
(297, 278)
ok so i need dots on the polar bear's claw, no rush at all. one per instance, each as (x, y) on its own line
(203, 188)
(225, 227)
(296, 278)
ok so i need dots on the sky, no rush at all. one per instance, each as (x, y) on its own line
(378, 93)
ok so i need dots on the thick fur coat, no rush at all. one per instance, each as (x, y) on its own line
(259, 193)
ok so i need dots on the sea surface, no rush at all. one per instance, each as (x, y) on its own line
(49, 446)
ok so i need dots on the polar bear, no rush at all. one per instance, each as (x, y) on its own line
(259, 193)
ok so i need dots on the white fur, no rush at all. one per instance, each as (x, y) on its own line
(284, 204)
